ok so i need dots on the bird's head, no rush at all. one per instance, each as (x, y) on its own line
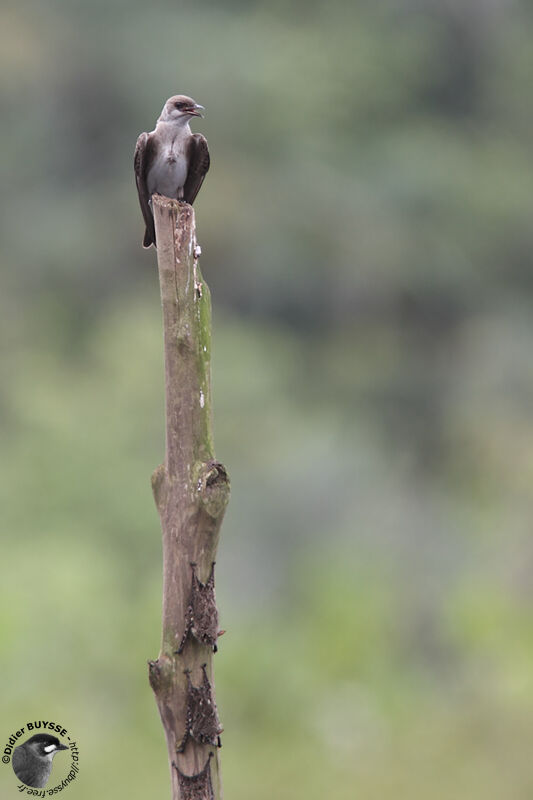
(43, 745)
(179, 109)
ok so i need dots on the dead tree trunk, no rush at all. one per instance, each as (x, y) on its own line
(191, 491)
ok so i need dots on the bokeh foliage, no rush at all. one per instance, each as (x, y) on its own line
(366, 234)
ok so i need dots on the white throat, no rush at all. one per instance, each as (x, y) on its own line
(178, 126)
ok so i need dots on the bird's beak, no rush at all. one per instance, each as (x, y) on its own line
(196, 110)
(62, 746)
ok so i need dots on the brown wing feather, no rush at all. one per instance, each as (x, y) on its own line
(198, 157)
(143, 150)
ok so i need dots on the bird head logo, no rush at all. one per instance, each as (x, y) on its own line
(32, 760)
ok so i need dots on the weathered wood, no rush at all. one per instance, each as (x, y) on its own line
(191, 488)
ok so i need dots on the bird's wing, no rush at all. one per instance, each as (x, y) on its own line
(143, 149)
(26, 766)
(198, 158)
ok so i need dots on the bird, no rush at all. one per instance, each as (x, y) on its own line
(170, 160)
(32, 760)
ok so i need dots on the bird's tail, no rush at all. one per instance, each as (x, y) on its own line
(149, 238)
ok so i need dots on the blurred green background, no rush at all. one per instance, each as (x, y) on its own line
(367, 230)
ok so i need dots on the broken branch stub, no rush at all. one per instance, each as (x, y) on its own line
(191, 490)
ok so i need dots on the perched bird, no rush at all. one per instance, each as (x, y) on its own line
(32, 761)
(170, 160)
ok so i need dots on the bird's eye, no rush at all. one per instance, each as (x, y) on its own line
(180, 106)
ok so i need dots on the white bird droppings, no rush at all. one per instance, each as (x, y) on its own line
(202, 400)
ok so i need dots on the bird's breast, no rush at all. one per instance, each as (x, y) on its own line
(168, 172)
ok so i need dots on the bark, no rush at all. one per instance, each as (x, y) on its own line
(191, 488)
